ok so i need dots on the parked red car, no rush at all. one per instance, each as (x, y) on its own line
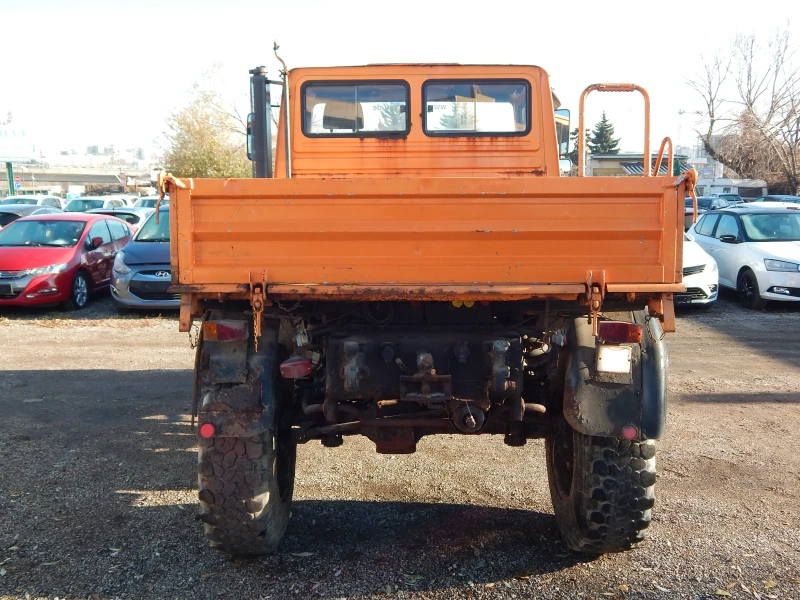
(66, 257)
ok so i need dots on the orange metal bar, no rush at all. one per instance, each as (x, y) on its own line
(613, 87)
(670, 160)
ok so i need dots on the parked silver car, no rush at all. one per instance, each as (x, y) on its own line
(11, 212)
(142, 272)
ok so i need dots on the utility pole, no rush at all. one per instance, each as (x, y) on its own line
(10, 177)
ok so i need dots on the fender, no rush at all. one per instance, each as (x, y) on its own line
(601, 404)
(237, 384)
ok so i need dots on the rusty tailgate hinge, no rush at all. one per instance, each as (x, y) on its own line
(595, 292)
(164, 179)
(258, 300)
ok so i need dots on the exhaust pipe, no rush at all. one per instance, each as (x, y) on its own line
(287, 123)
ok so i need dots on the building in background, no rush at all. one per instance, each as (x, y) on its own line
(628, 165)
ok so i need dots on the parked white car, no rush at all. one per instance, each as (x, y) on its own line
(700, 276)
(757, 249)
(35, 200)
(89, 202)
(150, 201)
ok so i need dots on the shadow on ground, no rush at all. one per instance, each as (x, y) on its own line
(762, 331)
(100, 307)
(99, 496)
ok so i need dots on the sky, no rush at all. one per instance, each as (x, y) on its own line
(76, 73)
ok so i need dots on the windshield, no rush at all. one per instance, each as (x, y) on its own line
(150, 202)
(773, 227)
(6, 218)
(82, 205)
(18, 200)
(152, 232)
(63, 234)
(131, 218)
(707, 203)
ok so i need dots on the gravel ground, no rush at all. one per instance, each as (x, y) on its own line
(98, 500)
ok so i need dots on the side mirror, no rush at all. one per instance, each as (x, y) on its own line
(250, 155)
(97, 242)
(562, 131)
(729, 239)
(565, 166)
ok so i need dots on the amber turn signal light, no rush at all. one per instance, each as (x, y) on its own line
(224, 331)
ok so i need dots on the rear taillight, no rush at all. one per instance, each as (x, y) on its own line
(207, 430)
(225, 331)
(617, 332)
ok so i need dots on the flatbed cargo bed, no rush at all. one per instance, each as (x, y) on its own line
(508, 238)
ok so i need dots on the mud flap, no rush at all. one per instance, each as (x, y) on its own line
(237, 385)
(601, 404)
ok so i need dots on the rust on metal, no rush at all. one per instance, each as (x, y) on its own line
(425, 385)
(595, 292)
(258, 300)
(664, 309)
(186, 312)
(645, 287)
(501, 372)
(388, 292)
(164, 181)
(690, 178)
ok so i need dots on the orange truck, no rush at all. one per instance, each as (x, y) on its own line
(417, 264)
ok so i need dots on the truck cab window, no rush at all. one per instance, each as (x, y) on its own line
(355, 110)
(476, 108)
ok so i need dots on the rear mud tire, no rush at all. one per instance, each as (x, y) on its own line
(246, 487)
(246, 483)
(602, 488)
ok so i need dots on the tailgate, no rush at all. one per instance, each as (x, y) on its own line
(331, 238)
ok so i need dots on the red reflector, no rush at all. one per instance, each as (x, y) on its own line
(224, 331)
(616, 332)
(629, 432)
(207, 430)
(295, 367)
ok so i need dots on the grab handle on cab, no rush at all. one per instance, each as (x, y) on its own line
(614, 87)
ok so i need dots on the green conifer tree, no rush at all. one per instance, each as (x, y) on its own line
(603, 141)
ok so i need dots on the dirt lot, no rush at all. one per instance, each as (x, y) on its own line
(97, 476)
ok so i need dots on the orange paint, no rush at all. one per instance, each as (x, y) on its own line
(426, 218)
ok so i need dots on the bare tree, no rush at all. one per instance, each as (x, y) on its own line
(752, 109)
(204, 141)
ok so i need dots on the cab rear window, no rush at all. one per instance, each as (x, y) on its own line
(476, 108)
(360, 109)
